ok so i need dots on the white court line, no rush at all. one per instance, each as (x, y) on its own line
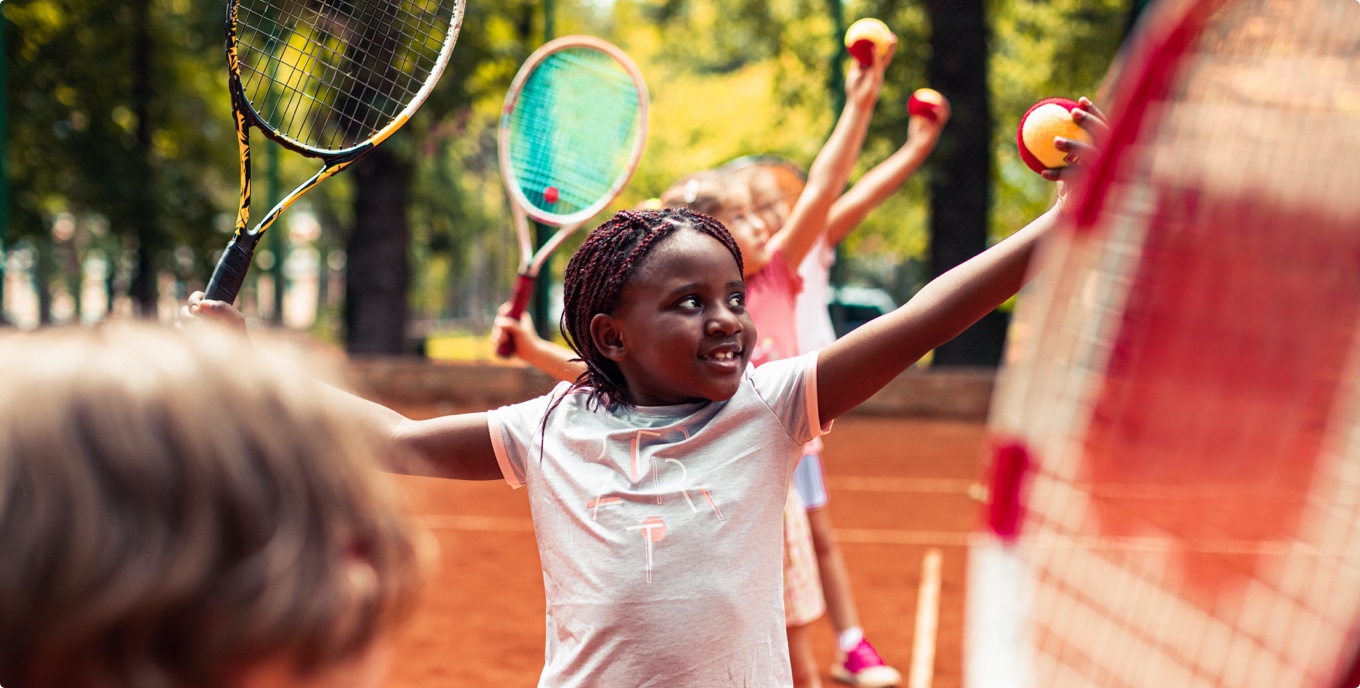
(855, 483)
(922, 671)
(930, 538)
(858, 536)
(477, 523)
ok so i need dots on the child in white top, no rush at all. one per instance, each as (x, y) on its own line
(657, 481)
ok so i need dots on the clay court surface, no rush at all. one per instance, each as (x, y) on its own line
(899, 487)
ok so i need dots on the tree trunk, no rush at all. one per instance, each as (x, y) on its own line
(377, 269)
(960, 190)
(144, 289)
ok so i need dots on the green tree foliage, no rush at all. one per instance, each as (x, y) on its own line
(734, 77)
(727, 78)
(73, 139)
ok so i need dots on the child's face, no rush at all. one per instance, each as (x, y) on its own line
(681, 322)
(747, 227)
(767, 200)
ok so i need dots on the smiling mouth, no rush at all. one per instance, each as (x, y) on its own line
(727, 355)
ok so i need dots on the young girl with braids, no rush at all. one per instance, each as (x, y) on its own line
(657, 480)
(770, 258)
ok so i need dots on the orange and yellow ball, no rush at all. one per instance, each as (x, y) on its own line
(1046, 120)
(867, 40)
(925, 102)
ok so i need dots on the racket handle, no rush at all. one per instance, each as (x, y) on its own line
(230, 272)
(1010, 463)
(524, 288)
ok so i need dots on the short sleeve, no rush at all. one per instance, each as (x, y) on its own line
(514, 434)
(789, 389)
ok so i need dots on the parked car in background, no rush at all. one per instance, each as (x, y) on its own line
(853, 306)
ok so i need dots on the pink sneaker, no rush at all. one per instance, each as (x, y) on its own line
(863, 668)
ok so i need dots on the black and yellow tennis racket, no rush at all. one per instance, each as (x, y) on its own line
(329, 79)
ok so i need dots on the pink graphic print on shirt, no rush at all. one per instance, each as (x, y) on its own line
(667, 476)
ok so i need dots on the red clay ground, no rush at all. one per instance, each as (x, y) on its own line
(898, 487)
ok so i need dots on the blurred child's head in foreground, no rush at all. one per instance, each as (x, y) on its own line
(179, 509)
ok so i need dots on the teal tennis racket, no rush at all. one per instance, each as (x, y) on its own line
(571, 134)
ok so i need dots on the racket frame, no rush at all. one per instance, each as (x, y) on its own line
(521, 209)
(1168, 32)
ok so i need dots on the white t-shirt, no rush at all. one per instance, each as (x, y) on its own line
(660, 530)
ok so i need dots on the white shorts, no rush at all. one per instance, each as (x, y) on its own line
(810, 483)
(803, 600)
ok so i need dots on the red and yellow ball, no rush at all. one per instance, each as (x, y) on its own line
(868, 40)
(1041, 124)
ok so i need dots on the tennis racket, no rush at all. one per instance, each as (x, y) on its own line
(1175, 451)
(571, 134)
(329, 79)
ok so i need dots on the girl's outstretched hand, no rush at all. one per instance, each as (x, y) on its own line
(522, 332)
(927, 128)
(1081, 156)
(863, 83)
(199, 310)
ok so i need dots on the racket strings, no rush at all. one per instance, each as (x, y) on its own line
(574, 128)
(331, 74)
(363, 81)
(1194, 517)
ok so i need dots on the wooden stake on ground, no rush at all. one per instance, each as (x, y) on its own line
(922, 671)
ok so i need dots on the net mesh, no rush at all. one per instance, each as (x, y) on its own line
(330, 74)
(1185, 375)
(573, 128)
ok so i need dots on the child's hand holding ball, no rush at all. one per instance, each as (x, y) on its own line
(929, 103)
(1057, 132)
(869, 40)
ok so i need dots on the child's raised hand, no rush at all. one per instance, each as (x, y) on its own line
(199, 310)
(927, 128)
(863, 83)
(1081, 156)
(521, 332)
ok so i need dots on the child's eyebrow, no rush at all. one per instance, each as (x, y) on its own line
(697, 286)
(684, 287)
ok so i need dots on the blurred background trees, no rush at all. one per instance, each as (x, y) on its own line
(122, 167)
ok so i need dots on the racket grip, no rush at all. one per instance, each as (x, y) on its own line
(230, 272)
(1010, 463)
(524, 288)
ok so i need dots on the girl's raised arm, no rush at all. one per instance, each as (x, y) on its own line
(859, 364)
(831, 169)
(886, 177)
(863, 361)
(457, 446)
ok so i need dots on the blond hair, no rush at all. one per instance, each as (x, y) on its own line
(704, 192)
(175, 505)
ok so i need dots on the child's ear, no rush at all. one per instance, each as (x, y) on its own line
(608, 338)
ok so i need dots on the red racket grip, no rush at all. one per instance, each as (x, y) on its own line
(524, 288)
(1010, 463)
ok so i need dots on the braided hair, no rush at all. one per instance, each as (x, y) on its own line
(601, 268)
